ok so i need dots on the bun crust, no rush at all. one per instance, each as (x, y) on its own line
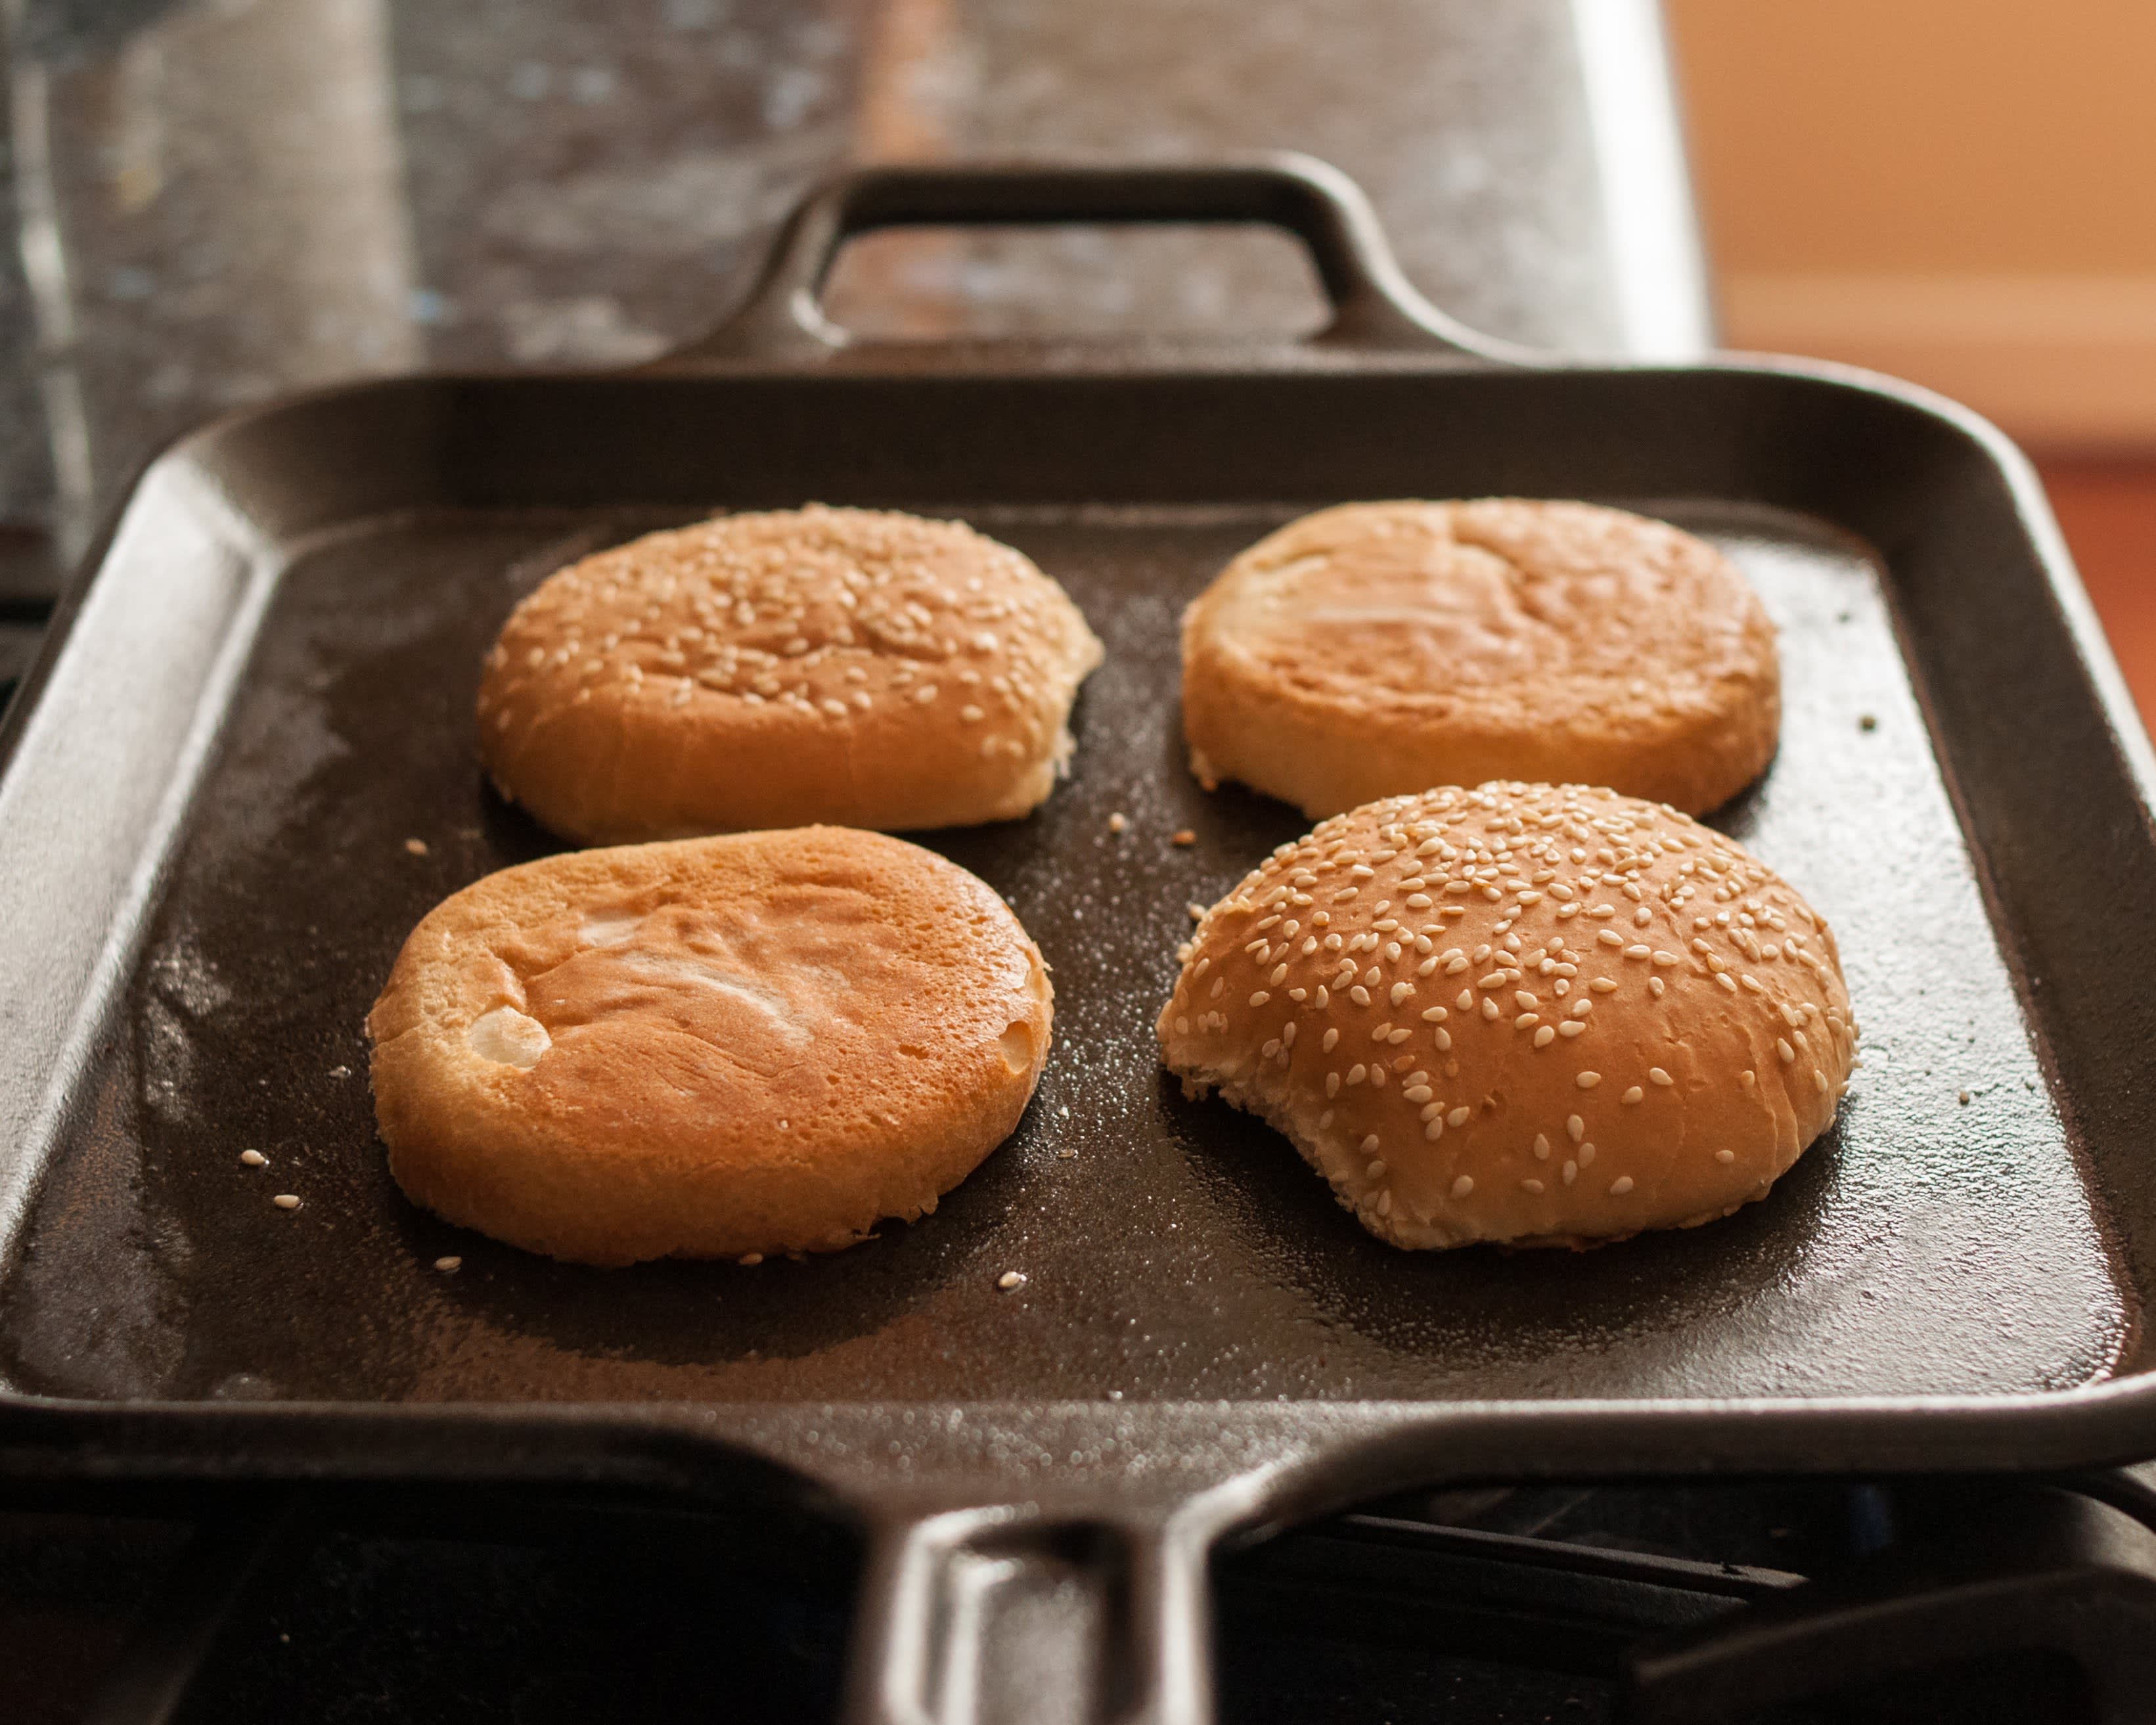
(847, 666)
(1378, 648)
(1638, 1062)
(710, 1048)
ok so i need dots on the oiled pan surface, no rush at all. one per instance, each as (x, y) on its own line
(1939, 1242)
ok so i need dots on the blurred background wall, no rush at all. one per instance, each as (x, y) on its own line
(1962, 193)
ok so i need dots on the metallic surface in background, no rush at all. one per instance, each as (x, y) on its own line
(216, 201)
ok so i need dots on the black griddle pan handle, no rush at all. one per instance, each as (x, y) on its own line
(1375, 309)
(1008, 1616)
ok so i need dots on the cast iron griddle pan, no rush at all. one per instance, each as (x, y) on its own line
(264, 693)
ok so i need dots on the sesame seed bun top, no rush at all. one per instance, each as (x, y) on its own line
(854, 666)
(1535, 1014)
(1377, 649)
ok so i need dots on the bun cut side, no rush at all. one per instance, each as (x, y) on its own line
(722, 1047)
(1378, 648)
(853, 666)
(1538, 1015)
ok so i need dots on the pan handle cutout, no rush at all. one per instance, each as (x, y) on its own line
(1375, 309)
(1002, 1616)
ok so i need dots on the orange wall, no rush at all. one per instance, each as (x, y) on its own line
(1999, 136)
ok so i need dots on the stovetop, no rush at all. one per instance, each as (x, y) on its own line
(1798, 1602)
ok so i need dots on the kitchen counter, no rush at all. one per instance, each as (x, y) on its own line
(216, 201)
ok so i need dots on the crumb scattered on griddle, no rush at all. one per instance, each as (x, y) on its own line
(449, 1266)
(1867, 722)
(253, 1159)
(417, 847)
(286, 1200)
(1184, 837)
(339, 1071)
(1964, 1099)
(1010, 1279)
(1117, 821)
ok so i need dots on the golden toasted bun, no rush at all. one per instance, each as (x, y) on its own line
(707, 1049)
(1381, 647)
(1536, 1014)
(847, 666)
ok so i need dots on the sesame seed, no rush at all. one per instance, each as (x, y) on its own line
(1610, 937)
(1370, 1144)
(1587, 1156)
(417, 847)
(1462, 1186)
(1572, 1027)
(1458, 1117)
(1659, 1077)
(1571, 1171)
(1547, 1035)
(1010, 1279)
(1782, 1047)
(1575, 1128)
(1633, 1094)
(1118, 822)
(1260, 998)
(1748, 1078)
(1588, 1080)
(286, 1200)
(1331, 1040)
(253, 1159)
(1819, 1081)
(1434, 1129)
(1725, 1157)
(450, 1265)
(1621, 1185)
(1385, 1203)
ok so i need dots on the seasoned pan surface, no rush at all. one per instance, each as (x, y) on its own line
(1943, 1240)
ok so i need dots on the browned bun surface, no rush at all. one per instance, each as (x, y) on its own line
(848, 665)
(1377, 648)
(1535, 1014)
(709, 1048)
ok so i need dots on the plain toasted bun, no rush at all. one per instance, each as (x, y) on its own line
(847, 666)
(1378, 648)
(710, 1048)
(1526, 1013)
